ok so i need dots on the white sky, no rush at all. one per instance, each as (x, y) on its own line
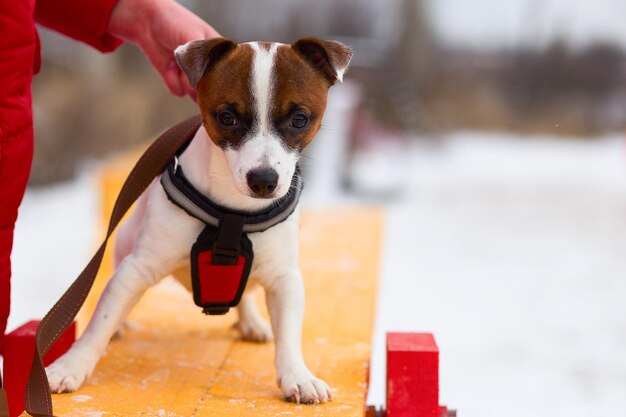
(489, 24)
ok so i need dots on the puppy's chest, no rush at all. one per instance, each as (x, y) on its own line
(275, 251)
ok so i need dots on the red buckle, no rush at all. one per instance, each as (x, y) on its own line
(218, 283)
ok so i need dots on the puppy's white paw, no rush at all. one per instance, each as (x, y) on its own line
(304, 388)
(258, 331)
(69, 372)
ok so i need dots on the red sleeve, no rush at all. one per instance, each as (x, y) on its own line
(83, 20)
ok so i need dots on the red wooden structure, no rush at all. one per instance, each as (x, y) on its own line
(412, 378)
(19, 347)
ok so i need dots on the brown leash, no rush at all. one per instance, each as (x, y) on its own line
(4, 405)
(38, 400)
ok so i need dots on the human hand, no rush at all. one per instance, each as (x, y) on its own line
(158, 27)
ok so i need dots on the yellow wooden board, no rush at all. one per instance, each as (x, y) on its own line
(174, 361)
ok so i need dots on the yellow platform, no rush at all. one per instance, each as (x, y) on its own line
(174, 361)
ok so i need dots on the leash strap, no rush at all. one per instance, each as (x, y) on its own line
(38, 400)
(4, 404)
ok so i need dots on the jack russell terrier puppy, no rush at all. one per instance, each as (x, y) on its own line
(261, 103)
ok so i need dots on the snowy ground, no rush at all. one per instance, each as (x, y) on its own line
(55, 237)
(511, 250)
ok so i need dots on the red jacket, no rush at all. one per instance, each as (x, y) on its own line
(84, 20)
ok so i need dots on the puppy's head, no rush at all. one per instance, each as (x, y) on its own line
(262, 103)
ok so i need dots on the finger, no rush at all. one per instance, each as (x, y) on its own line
(167, 68)
(210, 32)
(189, 27)
(189, 90)
(172, 78)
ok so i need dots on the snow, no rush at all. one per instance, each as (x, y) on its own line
(512, 250)
(54, 238)
(82, 398)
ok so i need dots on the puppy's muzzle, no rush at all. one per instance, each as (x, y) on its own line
(262, 182)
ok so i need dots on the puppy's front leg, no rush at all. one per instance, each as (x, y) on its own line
(124, 289)
(285, 301)
(251, 325)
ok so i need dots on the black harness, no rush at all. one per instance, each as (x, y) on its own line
(222, 256)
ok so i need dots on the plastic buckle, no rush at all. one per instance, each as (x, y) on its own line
(215, 311)
(219, 285)
(225, 256)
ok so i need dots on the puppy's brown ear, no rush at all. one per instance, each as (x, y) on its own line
(329, 57)
(197, 57)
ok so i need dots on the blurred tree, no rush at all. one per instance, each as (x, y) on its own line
(399, 87)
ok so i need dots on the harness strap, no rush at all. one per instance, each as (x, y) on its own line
(38, 400)
(183, 194)
(226, 246)
(221, 258)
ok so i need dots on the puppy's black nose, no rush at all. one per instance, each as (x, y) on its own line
(262, 181)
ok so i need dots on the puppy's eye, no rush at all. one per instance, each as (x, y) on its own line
(299, 121)
(226, 118)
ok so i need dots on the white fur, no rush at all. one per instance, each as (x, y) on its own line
(340, 72)
(156, 241)
(263, 147)
(180, 50)
(262, 81)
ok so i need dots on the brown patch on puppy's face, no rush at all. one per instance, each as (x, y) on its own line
(304, 73)
(263, 103)
(299, 99)
(224, 94)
